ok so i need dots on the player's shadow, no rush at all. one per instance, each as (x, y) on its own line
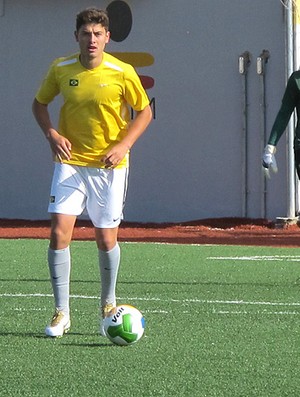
(188, 283)
(24, 334)
(35, 280)
(57, 341)
(88, 345)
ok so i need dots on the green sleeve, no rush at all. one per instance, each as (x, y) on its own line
(288, 104)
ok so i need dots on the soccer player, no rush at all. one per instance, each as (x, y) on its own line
(91, 154)
(290, 101)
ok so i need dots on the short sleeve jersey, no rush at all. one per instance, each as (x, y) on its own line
(96, 105)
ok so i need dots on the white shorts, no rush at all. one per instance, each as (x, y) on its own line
(101, 192)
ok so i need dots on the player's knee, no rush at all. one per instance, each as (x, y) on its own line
(106, 239)
(59, 239)
(106, 245)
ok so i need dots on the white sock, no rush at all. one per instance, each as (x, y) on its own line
(59, 262)
(109, 265)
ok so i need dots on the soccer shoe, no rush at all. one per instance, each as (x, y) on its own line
(60, 324)
(106, 309)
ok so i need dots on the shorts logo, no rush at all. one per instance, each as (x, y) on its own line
(74, 83)
(52, 199)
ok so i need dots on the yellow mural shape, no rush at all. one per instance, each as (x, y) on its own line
(136, 59)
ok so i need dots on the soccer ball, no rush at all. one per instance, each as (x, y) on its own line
(125, 325)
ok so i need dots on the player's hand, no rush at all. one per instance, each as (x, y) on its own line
(113, 158)
(269, 161)
(60, 146)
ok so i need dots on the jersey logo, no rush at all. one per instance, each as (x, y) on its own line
(74, 82)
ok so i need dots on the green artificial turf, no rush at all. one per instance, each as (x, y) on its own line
(220, 321)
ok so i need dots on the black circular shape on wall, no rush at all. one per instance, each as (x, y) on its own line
(120, 20)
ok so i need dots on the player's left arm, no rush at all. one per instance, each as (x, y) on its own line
(136, 128)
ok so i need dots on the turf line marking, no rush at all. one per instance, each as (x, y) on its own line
(280, 258)
(201, 301)
(258, 312)
(241, 302)
(19, 295)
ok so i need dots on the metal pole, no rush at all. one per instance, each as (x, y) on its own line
(244, 63)
(296, 10)
(291, 207)
(260, 69)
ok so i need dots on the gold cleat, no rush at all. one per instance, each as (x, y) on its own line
(106, 311)
(60, 324)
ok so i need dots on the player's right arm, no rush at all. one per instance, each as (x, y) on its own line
(289, 102)
(60, 146)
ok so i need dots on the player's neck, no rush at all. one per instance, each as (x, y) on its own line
(90, 63)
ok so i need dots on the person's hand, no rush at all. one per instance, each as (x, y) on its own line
(60, 146)
(269, 161)
(113, 158)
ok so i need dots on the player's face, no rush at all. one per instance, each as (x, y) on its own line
(92, 39)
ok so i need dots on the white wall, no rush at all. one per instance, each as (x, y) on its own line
(188, 165)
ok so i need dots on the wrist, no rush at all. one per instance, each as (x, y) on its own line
(271, 149)
(127, 145)
(50, 132)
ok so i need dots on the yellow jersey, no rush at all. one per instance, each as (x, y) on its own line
(95, 113)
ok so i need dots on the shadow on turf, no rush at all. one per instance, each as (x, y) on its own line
(29, 280)
(216, 283)
(23, 334)
(89, 345)
(66, 337)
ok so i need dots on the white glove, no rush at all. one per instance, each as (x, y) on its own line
(269, 161)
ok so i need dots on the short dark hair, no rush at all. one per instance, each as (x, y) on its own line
(92, 15)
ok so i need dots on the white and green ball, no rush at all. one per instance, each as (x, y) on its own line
(125, 325)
